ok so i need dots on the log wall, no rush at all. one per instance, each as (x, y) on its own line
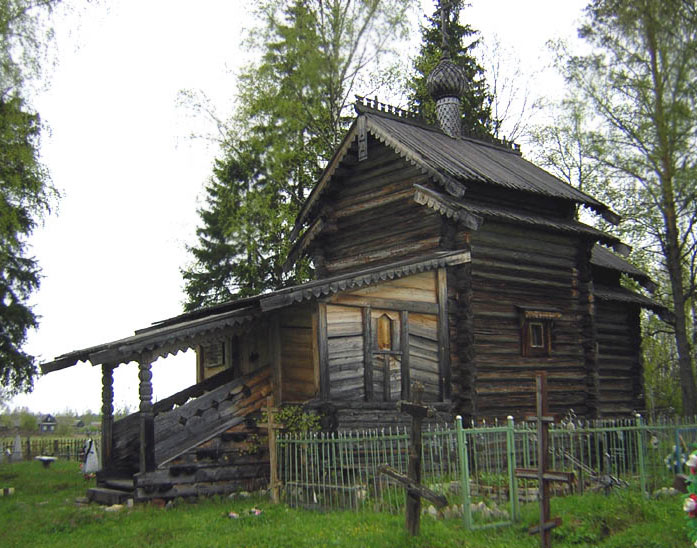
(619, 358)
(374, 217)
(515, 267)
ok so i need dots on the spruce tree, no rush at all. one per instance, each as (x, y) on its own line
(25, 186)
(293, 110)
(462, 39)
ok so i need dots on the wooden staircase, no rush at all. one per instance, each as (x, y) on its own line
(202, 444)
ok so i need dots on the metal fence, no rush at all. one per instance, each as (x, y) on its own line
(474, 467)
(62, 448)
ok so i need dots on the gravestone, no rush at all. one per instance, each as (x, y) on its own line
(17, 453)
(91, 464)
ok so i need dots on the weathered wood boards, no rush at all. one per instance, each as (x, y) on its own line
(376, 218)
(382, 338)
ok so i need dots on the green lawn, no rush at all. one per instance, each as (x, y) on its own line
(42, 512)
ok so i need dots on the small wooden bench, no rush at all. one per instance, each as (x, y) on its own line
(46, 461)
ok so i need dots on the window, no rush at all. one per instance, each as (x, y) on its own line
(536, 332)
(384, 333)
(387, 371)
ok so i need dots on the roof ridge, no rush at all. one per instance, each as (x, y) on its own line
(414, 117)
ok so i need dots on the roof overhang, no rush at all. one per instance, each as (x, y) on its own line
(213, 323)
(624, 295)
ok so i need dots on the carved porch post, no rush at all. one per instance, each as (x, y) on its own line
(147, 419)
(107, 413)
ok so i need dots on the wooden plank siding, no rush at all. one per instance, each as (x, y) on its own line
(516, 267)
(352, 327)
(619, 358)
(299, 378)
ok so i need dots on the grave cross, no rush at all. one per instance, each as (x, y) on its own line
(542, 474)
(271, 425)
(412, 481)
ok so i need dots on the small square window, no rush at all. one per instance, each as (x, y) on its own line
(536, 331)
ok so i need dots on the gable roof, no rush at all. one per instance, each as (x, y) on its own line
(179, 333)
(451, 163)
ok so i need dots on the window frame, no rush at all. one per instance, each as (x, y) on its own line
(531, 318)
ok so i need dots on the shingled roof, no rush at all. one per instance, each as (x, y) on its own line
(604, 258)
(452, 163)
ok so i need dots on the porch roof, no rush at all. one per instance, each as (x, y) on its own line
(214, 322)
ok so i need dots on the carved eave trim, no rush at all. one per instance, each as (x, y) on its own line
(449, 183)
(303, 243)
(323, 182)
(180, 338)
(432, 200)
(329, 286)
(171, 338)
(159, 342)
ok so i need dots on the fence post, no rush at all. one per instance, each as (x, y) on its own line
(464, 472)
(640, 450)
(512, 481)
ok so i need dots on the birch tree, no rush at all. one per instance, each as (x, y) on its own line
(639, 83)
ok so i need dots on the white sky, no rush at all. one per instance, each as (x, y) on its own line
(130, 179)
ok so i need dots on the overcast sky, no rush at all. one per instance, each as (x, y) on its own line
(131, 179)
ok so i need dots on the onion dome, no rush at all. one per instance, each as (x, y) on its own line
(446, 80)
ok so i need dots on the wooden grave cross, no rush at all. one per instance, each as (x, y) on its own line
(542, 473)
(412, 481)
(271, 425)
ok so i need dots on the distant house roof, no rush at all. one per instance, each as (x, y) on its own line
(452, 163)
(175, 334)
(47, 419)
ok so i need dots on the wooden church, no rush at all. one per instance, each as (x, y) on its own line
(439, 258)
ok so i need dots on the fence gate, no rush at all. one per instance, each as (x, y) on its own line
(488, 483)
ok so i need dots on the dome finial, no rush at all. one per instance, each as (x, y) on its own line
(447, 83)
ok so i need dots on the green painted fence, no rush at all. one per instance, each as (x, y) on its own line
(60, 447)
(474, 467)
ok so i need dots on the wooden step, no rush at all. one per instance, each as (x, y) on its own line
(104, 495)
(121, 484)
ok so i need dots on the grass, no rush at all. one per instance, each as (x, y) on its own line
(42, 512)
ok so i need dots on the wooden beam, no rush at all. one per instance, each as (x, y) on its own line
(315, 350)
(323, 348)
(438, 500)
(417, 307)
(443, 335)
(404, 347)
(147, 419)
(107, 414)
(276, 365)
(200, 370)
(367, 354)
